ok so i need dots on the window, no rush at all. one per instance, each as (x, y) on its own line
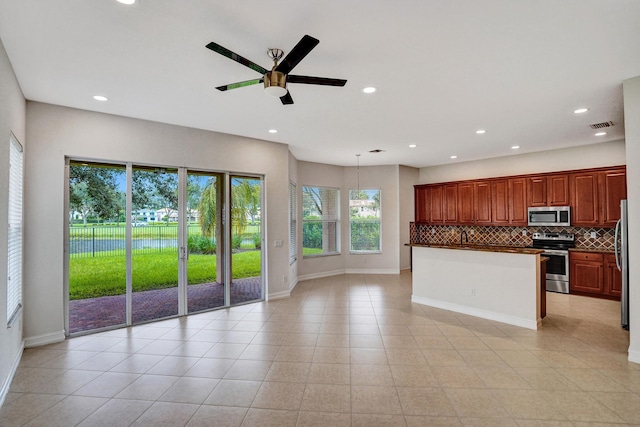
(293, 223)
(320, 221)
(14, 252)
(364, 221)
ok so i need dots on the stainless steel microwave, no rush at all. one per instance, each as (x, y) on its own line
(550, 216)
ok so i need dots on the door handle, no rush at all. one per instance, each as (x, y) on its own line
(615, 244)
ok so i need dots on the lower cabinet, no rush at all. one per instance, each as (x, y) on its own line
(594, 274)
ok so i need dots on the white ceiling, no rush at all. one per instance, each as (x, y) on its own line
(443, 69)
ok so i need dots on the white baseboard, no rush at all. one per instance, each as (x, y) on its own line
(498, 317)
(320, 275)
(634, 356)
(12, 372)
(371, 271)
(283, 294)
(44, 339)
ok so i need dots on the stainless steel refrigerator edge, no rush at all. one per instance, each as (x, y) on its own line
(622, 261)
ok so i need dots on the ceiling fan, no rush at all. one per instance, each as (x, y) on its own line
(275, 81)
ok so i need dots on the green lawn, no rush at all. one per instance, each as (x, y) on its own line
(103, 276)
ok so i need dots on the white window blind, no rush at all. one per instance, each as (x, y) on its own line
(14, 262)
(320, 221)
(293, 223)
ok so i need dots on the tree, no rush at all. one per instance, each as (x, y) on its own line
(207, 207)
(155, 188)
(93, 189)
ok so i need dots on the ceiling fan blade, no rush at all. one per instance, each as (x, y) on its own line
(286, 99)
(240, 84)
(235, 57)
(302, 49)
(315, 80)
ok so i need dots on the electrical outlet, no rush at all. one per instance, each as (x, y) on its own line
(472, 232)
(285, 279)
(524, 232)
(594, 234)
(473, 292)
(278, 243)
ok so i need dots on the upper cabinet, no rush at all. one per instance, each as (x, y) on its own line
(548, 190)
(421, 199)
(593, 194)
(518, 201)
(613, 188)
(596, 195)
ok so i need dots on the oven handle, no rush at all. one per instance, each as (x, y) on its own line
(555, 252)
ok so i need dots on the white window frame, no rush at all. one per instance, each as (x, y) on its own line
(293, 223)
(14, 234)
(329, 221)
(351, 221)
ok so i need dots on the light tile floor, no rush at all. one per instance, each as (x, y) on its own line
(345, 350)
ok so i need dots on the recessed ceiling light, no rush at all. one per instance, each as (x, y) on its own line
(600, 134)
(273, 130)
(369, 89)
(515, 147)
(480, 131)
(100, 98)
(412, 146)
(580, 111)
(126, 1)
(453, 157)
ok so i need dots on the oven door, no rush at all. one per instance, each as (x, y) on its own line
(558, 264)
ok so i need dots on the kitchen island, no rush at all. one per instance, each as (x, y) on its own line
(492, 282)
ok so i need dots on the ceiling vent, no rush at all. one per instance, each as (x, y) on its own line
(601, 125)
(377, 150)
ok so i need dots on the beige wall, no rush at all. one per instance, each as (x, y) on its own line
(408, 177)
(55, 132)
(12, 120)
(384, 178)
(586, 156)
(631, 90)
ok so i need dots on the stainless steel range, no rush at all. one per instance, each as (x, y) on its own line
(556, 248)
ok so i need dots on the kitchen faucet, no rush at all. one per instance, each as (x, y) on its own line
(466, 238)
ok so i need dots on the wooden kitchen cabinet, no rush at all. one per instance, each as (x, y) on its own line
(548, 190)
(482, 202)
(584, 199)
(596, 195)
(421, 200)
(594, 274)
(558, 190)
(593, 194)
(500, 202)
(465, 203)
(518, 201)
(586, 272)
(612, 189)
(436, 208)
(450, 203)
(612, 276)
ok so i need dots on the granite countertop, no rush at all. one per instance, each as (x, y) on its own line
(597, 251)
(483, 248)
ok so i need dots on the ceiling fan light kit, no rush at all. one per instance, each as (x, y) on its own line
(275, 81)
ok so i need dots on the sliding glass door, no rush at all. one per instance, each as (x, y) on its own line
(246, 239)
(205, 243)
(147, 243)
(154, 243)
(96, 246)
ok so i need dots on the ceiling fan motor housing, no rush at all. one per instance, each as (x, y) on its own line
(275, 83)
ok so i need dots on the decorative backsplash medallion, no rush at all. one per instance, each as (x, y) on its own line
(507, 236)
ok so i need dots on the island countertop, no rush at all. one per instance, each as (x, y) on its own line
(482, 248)
(496, 283)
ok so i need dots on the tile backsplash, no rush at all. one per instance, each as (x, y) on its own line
(507, 236)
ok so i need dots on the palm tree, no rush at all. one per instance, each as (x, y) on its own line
(207, 209)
